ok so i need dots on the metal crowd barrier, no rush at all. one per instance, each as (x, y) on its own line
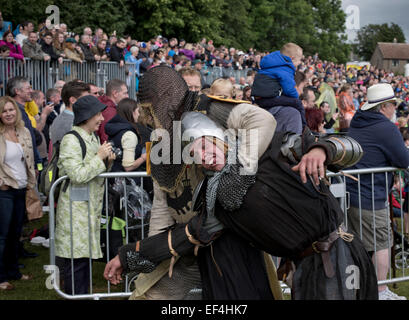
(398, 250)
(39, 72)
(83, 196)
(212, 73)
(44, 74)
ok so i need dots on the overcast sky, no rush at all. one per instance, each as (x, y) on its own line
(380, 11)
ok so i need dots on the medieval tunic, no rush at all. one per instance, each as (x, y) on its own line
(169, 208)
(82, 173)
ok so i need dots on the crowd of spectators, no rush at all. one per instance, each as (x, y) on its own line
(329, 92)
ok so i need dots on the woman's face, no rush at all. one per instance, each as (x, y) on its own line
(93, 123)
(136, 115)
(9, 37)
(102, 45)
(60, 38)
(9, 114)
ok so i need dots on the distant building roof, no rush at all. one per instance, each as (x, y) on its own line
(397, 51)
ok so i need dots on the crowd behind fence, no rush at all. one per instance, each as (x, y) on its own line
(44, 74)
(398, 249)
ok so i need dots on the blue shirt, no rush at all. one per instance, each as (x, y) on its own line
(383, 146)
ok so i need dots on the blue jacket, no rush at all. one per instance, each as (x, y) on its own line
(383, 146)
(278, 66)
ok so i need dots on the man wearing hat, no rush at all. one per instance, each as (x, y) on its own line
(82, 172)
(383, 146)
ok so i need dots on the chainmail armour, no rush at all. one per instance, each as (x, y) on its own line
(163, 96)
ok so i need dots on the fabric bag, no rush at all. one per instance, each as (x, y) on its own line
(115, 225)
(33, 205)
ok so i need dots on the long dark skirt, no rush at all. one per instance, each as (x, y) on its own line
(282, 216)
(243, 273)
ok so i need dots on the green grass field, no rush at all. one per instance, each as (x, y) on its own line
(36, 289)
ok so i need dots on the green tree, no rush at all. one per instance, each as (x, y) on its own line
(371, 34)
(329, 38)
(236, 28)
(315, 25)
(77, 14)
(190, 20)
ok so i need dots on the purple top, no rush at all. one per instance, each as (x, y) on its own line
(188, 53)
(15, 49)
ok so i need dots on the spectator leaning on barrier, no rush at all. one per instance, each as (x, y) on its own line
(116, 90)
(132, 58)
(32, 49)
(15, 49)
(48, 48)
(16, 174)
(86, 49)
(59, 44)
(73, 51)
(383, 146)
(117, 52)
(86, 216)
(100, 49)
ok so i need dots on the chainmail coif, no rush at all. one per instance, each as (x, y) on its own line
(164, 94)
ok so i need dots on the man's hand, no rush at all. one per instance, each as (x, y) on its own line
(113, 271)
(121, 63)
(47, 57)
(48, 109)
(312, 163)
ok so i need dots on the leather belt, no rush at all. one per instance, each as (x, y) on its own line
(323, 248)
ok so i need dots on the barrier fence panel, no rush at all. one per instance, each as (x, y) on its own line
(82, 194)
(212, 73)
(398, 245)
(39, 72)
(44, 74)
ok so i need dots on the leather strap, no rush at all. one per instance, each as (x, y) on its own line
(192, 240)
(173, 252)
(323, 248)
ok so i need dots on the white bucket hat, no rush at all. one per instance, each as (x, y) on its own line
(378, 93)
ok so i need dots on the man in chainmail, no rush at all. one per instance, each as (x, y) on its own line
(163, 98)
(242, 203)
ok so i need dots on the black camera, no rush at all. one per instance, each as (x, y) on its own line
(117, 151)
